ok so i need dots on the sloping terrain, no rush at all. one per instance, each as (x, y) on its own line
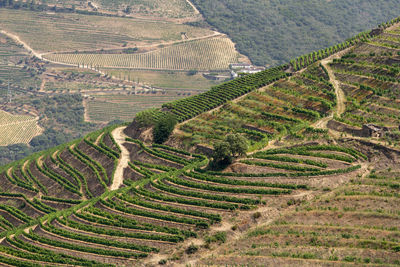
(303, 196)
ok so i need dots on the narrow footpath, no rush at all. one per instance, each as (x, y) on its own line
(119, 137)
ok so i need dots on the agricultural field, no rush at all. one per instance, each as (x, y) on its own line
(297, 193)
(106, 108)
(11, 71)
(369, 77)
(88, 32)
(283, 108)
(17, 129)
(208, 54)
(175, 9)
(356, 223)
(164, 79)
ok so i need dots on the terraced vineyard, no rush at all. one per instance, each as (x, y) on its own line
(17, 129)
(158, 8)
(105, 108)
(356, 223)
(89, 32)
(369, 77)
(166, 200)
(330, 201)
(283, 108)
(207, 54)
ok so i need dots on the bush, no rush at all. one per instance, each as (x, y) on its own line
(163, 128)
(192, 249)
(257, 215)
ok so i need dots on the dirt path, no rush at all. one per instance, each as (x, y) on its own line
(193, 6)
(19, 41)
(119, 137)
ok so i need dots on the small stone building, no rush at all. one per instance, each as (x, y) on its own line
(371, 130)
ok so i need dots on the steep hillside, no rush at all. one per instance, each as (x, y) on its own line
(302, 195)
(273, 32)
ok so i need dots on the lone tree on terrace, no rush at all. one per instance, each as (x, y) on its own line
(163, 128)
(233, 146)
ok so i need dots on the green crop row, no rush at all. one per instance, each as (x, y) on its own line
(153, 166)
(45, 256)
(16, 213)
(20, 183)
(190, 107)
(223, 180)
(39, 184)
(106, 218)
(289, 159)
(280, 166)
(98, 251)
(74, 173)
(142, 170)
(145, 213)
(94, 165)
(62, 200)
(87, 162)
(96, 240)
(159, 153)
(139, 202)
(193, 202)
(110, 232)
(259, 191)
(196, 194)
(298, 174)
(56, 178)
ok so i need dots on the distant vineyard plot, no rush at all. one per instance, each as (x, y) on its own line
(159, 8)
(17, 129)
(70, 32)
(105, 108)
(208, 54)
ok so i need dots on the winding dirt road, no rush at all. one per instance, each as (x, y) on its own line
(119, 137)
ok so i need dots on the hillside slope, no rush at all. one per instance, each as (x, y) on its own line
(273, 32)
(305, 195)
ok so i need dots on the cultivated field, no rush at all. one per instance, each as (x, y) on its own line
(164, 79)
(88, 32)
(17, 129)
(105, 108)
(207, 54)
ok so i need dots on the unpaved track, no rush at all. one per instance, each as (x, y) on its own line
(193, 6)
(119, 137)
(19, 41)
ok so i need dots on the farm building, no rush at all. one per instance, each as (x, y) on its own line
(371, 130)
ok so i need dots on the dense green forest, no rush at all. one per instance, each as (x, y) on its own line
(275, 31)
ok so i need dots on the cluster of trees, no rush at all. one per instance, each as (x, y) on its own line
(274, 32)
(234, 145)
